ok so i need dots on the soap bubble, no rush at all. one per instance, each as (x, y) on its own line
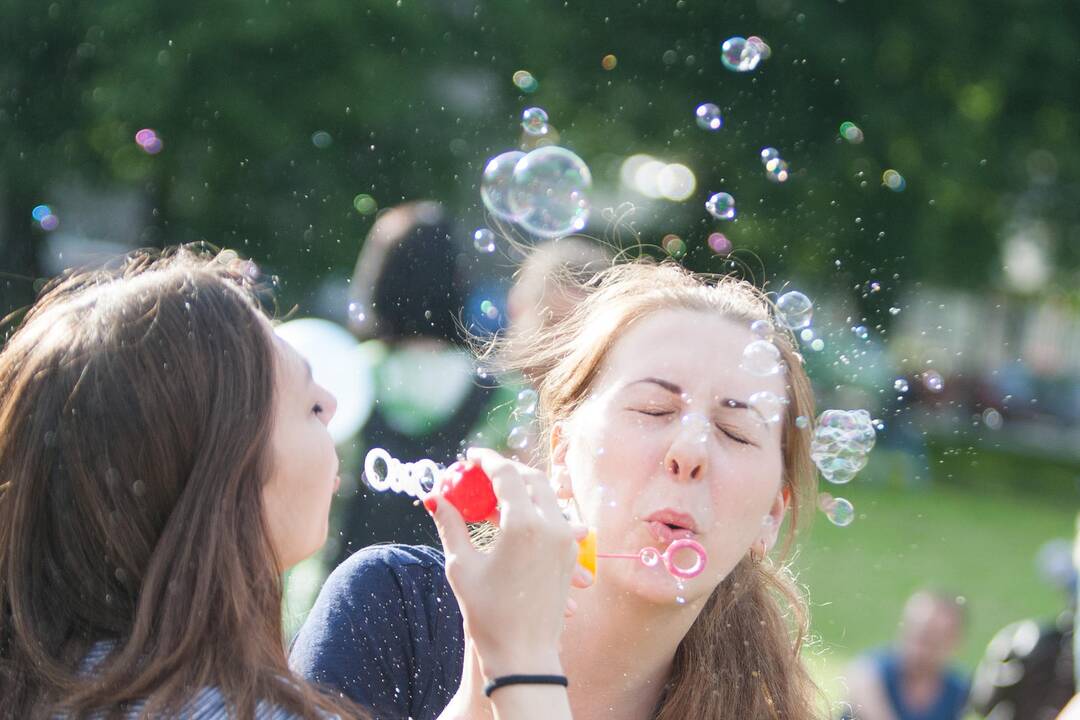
(518, 439)
(933, 381)
(149, 141)
(900, 385)
(526, 402)
(673, 245)
(50, 222)
(794, 310)
(762, 47)
(535, 121)
(992, 418)
(721, 206)
(708, 117)
(841, 443)
(893, 180)
(739, 55)
(484, 240)
(769, 153)
(525, 81)
(851, 132)
(489, 309)
(802, 422)
(894, 311)
(548, 192)
(45, 217)
(698, 425)
(776, 170)
(357, 312)
(719, 243)
(609, 62)
(650, 557)
(768, 405)
(762, 328)
(365, 204)
(322, 139)
(761, 358)
(817, 345)
(840, 512)
(860, 332)
(495, 184)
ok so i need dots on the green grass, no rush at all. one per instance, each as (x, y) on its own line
(972, 538)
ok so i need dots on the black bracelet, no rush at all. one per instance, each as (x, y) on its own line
(525, 680)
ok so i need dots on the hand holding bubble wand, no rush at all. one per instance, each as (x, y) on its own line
(467, 487)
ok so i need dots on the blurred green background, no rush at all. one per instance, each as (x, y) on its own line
(275, 115)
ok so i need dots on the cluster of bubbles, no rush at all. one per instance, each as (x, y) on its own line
(721, 206)
(544, 191)
(383, 472)
(708, 117)
(45, 217)
(839, 511)
(850, 131)
(841, 444)
(741, 54)
(149, 141)
(524, 411)
(525, 81)
(761, 357)
(776, 168)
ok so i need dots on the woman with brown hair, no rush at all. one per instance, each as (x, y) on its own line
(658, 429)
(163, 459)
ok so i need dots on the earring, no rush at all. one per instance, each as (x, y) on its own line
(757, 552)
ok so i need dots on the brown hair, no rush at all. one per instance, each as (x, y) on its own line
(741, 656)
(133, 445)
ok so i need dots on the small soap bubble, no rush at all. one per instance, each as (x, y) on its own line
(649, 557)
(933, 381)
(518, 438)
(900, 385)
(776, 170)
(761, 358)
(762, 329)
(807, 335)
(526, 402)
(525, 81)
(893, 180)
(148, 140)
(719, 243)
(802, 422)
(817, 345)
(721, 206)
(698, 425)
(674, 246)
(894, 311)
(40, 211)
(768, 154)
(495, 184)
(322, 139)
(609, 62)
(992, 419)
(484, 240)
(860, 332)
(357, 312)
(535, 121)
(762, 47)
(708, 117)
(874, 286)
(549, 192)
(768, 405)
(489, 309)
(680, 599)
(50, 222)
(840, 512)
(795, 310)
(365, 204)
(841, 444)
(851, 132)
(738, 55)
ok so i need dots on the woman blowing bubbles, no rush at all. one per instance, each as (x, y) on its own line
(164, 458)
(645, 402)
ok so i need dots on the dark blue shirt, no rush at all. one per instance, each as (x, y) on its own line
(949, 704)
(386, 632)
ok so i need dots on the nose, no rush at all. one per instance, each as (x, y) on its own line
(687, 457)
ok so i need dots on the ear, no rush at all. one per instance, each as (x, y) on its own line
(560, 445)
(777, 511)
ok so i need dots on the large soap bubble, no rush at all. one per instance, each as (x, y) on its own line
(795, 310)
(495, 184)
(841, 444)
(549, 192)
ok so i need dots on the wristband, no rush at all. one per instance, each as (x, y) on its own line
(525, 680)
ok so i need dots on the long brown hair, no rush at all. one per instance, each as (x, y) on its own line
(134, 423)
(740, 658)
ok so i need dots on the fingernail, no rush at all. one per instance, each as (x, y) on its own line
(431, 504)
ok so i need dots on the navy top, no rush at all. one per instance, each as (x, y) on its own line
(950, 702)
(386, 632)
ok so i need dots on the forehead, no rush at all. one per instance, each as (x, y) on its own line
(699, 351)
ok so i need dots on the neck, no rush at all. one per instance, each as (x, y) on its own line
(618, 652)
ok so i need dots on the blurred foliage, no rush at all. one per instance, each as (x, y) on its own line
(976, 104)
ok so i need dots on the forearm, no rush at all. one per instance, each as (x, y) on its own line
(531, 702)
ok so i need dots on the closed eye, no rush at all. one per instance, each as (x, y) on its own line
(654, 412)
(734, 436)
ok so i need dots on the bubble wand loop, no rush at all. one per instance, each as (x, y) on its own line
(467, 487)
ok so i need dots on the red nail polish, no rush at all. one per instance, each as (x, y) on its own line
(431, 505)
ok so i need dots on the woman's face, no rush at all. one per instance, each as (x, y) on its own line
(666, 446)
(304, 473)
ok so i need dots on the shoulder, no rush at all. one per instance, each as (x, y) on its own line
(385, 568)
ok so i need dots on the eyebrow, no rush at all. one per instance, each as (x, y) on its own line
(307, 368)
(676, 390)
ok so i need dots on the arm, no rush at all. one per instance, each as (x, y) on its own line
(513, 597)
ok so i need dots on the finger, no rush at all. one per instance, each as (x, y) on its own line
(506, 481)
(453, 532)
(580, 531)
(582, 578)
(571, 608)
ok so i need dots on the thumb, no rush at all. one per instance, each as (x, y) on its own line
(453, 532)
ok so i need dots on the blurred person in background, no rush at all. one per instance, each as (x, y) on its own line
(1027, 671)
(913, 680)
(406, 299)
